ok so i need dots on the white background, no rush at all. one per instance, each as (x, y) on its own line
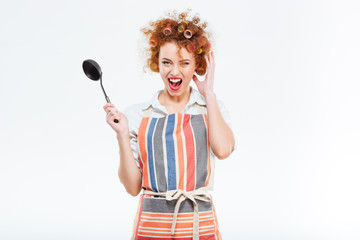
(288, 71)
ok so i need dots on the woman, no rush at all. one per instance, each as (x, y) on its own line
(167, 145)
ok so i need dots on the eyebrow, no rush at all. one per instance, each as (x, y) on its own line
(183, 60)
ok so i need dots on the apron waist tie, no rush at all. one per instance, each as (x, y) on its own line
(180, 196)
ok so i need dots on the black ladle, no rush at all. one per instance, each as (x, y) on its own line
(93, 71)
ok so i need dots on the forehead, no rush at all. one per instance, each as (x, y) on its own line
(170, 50)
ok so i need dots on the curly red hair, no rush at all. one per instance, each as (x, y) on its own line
(187, 32)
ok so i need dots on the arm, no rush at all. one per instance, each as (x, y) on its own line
(128, 171)
(220, 135)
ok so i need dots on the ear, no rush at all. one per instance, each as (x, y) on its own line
(201, 71)
(196, 66)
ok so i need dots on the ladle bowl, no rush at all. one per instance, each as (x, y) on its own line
(92, 69)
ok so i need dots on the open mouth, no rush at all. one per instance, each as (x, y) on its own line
(175, 83)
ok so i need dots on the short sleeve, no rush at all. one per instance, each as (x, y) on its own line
(226, 115)
(134, 116)
(224, 112)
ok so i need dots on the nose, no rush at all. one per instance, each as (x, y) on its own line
(175, 71)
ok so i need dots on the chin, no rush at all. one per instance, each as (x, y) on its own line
(174, 94)
(178, 92)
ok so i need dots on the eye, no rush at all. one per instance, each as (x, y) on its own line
(166, 62)
(185, 63)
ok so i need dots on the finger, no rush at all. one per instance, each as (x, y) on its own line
(208, 65)
(212, 56)
(113, 110)
(207, 60)
(108, 114)
(196, 80)
(108, 105)
(111, 116)
(108, 109)
(211, 65)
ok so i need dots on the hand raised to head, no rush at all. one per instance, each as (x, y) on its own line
(207, 86)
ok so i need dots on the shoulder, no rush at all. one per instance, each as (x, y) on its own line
(134, 110)
(134, 114)
(137, 109)
(199, 99)
(220, 103)
(224, 111)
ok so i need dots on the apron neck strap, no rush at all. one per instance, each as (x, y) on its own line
(147, 112)
(201, 109)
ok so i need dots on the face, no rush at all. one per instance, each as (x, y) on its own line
(176, 70)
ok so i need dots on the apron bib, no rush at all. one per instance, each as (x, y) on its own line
(177, 172)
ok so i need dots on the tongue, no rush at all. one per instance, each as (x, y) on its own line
(176, 85)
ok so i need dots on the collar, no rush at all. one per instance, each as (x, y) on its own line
(195, 97)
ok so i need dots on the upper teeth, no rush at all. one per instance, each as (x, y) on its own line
(175, 80)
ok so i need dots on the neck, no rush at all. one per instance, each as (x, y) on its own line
(178, 102)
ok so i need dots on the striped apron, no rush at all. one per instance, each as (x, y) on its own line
(177, 172)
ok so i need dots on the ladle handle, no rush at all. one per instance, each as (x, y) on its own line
(108, 100)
